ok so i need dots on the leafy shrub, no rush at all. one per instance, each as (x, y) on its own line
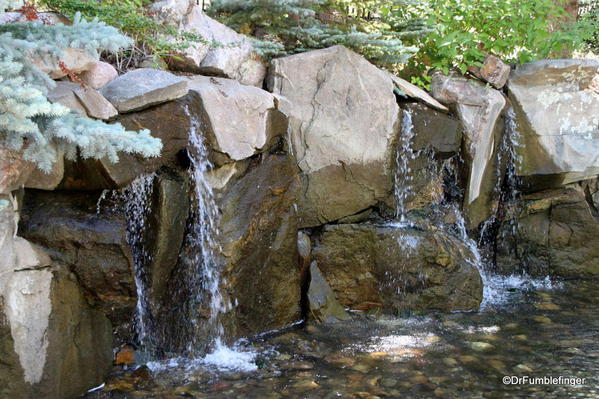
(28, 121)
(514, 30)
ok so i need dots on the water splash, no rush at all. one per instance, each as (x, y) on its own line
(405, 156)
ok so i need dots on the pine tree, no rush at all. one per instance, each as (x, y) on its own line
(289, 26)
(28, 121)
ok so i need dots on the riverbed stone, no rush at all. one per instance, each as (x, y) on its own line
(343, 122)
(479, 109)
(552, 233)
(400, 268)
(93, 246)
(239, 121)
(143, 88)
(558, 118)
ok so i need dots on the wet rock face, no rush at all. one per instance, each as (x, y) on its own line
(479, 109)
(170, 122)
(558, 117)
(553, 233)
(93, 246)
(342, 134)
(259, 242)
(397, 269)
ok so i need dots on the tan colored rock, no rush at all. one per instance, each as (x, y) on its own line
(85, 100)
(324, 307)
(479, 109)
(240, 120)
(493, 71)
(343, 122)
(101, 74)
(416, 92)
(14, 170)
(42, 180)
(75, 60)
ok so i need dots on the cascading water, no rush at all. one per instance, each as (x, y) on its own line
(403, 173)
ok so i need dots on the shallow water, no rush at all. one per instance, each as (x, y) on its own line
(534, 333)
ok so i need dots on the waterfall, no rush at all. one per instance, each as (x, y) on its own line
(205, 233)
(403, 162)
(136, 201)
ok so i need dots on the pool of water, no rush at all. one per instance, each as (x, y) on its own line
(535, 334)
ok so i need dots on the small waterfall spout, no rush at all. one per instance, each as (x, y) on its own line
(403, 173)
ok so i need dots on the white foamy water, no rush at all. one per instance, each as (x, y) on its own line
(235, 358)
(403, 173)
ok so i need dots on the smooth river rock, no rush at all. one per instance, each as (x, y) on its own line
(397, 268)
(343, 123)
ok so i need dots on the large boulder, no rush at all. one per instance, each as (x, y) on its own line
(224, 52)
(93, 246)
(558, 118)
(142, 88)
(343, 123)
(256, 255)
(53, 345)
(397, 268)
(552, 232)
(479, 109)
(170, 122)
(238, 121)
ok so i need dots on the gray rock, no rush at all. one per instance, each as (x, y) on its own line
(479, 109)
(240, 121)
(142, 88)
(558, 118)
(321, 298)
(343, 121)
(226, 53)
(63, 93)
(397, 268)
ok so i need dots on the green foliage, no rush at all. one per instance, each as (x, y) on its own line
(515, 30)
(283, 27)
(590, 16)
(28, 121)
(151, 36)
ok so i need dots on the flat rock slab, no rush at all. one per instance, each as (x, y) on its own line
(142, 88)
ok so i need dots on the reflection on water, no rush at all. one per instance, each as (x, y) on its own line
(536, 333)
